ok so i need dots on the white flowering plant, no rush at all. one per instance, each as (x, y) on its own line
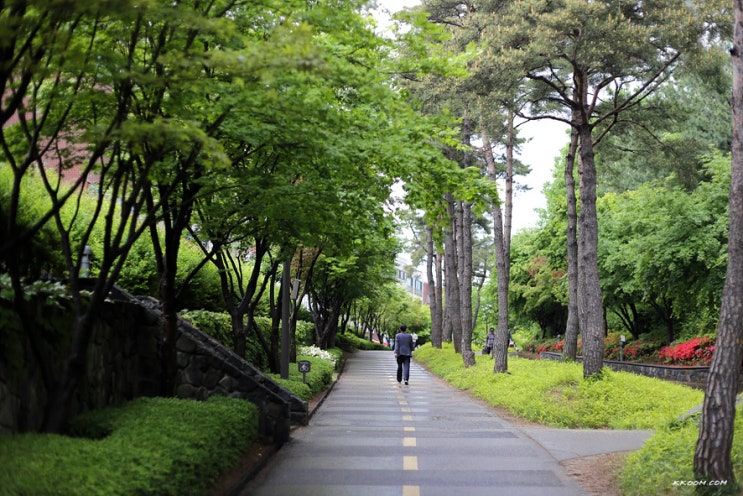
(314, 351)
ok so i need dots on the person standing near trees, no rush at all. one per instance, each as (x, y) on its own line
(489, 342)
(403, 351)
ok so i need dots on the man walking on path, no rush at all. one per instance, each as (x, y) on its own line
(403, 351)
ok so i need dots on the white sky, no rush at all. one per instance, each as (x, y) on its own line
(546, 140)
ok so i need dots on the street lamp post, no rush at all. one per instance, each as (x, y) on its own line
(285, 314)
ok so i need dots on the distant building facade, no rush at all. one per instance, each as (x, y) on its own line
(411, 278)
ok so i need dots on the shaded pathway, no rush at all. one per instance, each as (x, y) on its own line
(373, 437)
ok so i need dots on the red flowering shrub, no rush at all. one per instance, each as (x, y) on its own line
(634, 351)
(640, 349)
(552, 345)
(696, 351)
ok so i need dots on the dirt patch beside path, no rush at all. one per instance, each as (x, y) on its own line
(596, 474)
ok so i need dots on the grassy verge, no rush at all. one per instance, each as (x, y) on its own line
(148, 446)
(664, 465)
(555, 394)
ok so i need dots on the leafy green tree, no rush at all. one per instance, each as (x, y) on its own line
(664, 248)
(538, 284)
(452, 201)
(345, 273)
(318, 150)
(61, 118)
(186, 92)
(492, 108)
(385, 307)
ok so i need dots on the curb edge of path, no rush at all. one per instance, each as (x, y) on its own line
(272, 449)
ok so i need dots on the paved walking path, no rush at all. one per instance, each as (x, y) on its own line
(372, 437)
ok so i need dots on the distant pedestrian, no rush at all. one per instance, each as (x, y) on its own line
(489, 342)
(511, 342)
(403, 351)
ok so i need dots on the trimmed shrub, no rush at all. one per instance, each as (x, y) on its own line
(215, 324)
(139, 273)
(349, 341)
(204, 288)
(219, 326)
(334, 355)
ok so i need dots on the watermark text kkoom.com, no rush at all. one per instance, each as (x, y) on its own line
(700, 483)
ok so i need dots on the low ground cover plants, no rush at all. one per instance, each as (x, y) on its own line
(148, 446)
(664, 465)
(554, 393)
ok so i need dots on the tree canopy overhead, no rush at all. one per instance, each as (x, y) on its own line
(275, 122)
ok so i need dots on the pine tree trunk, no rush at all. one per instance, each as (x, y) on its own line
(500, 348)
(452, 299)
(590, 309)
(508, 200)
(570, 348)
(433, 297)
(439, 295)
(465, 279)
(712, 458)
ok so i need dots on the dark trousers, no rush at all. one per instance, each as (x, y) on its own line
(403, 367)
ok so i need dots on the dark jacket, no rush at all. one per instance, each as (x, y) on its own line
(403, 344)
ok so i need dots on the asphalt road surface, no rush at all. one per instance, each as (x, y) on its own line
(373, 437)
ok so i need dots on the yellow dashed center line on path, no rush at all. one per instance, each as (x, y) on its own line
(410, 463)
(411, 491)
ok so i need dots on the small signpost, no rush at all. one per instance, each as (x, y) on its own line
(304, 367)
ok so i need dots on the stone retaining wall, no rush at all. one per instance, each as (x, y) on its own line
(693, 376)
(124, 363)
